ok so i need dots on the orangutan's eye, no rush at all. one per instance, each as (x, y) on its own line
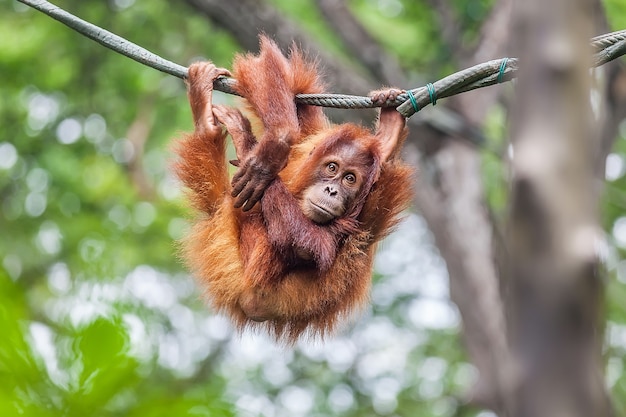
(350, 178)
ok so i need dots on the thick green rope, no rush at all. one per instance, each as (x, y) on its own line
(606, 48)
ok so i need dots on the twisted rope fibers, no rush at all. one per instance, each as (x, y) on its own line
(606, 48)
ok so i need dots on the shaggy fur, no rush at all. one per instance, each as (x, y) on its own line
(235, 254)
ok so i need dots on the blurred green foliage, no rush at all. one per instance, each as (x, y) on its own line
(97, 316)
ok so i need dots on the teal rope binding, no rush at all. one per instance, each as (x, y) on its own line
(416, 108)
(607, 47)
(432, 94)
(502, 69)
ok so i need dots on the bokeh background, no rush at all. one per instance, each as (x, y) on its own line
(98, 317)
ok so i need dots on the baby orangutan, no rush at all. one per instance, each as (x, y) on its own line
(301, 259)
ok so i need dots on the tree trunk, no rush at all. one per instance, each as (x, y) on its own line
(553, 234)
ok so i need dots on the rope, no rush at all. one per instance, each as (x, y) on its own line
(606, 48)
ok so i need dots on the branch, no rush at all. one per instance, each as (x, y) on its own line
(450, 196)
(108, 39)
(493, 41)
(611, 46)
(245, 19)
(360, 43)
(453, 206)
(449, 27)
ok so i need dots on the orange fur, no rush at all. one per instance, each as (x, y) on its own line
(229, 250)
